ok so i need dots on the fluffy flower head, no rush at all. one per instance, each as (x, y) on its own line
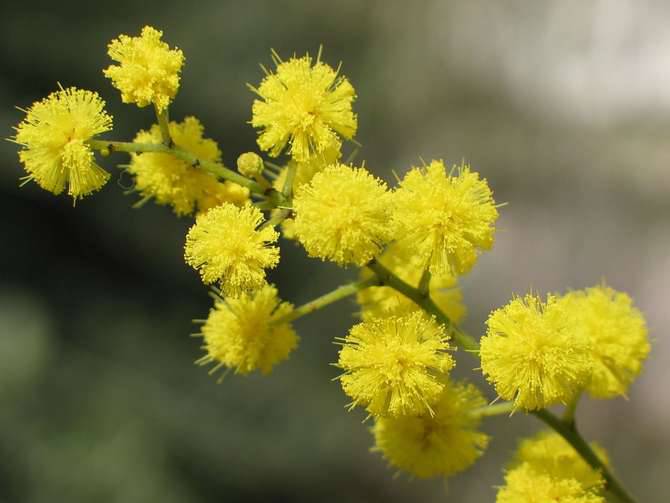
(446, 218)
(533, 354)
(148, 70)
(53, 138)
(226, 245)
(304, 104)
(547, 452)
(174, 182)
(380, 301)
(394, 366)
(618, 335)
(525, 485)
(342, 215)
(246, 333)
(435, 445)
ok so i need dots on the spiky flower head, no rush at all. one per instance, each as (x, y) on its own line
(549, 453)
(342, 215)
(618, 335)
(148, 70)
(53, 137)
(524, 484)
(380, 301)
(246, 332)
(250, 164)
(176, 183)
(441, 444)
(395, 366)
(304, 104)
(447, 218)
(533, 353)
(227, 245)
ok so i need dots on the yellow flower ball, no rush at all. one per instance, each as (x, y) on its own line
(533, 354)
(226, 245)
(446, 218)
(525, 485)
(245, 333)
(148, 70)
(342, 215)
(171, 181)
(53, 138)
(441, 444)
(547, 452)
(395, 366)
(380, 301)
(618, 335)
(304, 104)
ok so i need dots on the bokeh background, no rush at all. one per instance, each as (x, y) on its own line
(563, 105)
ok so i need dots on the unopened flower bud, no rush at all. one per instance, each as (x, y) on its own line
(250, 164)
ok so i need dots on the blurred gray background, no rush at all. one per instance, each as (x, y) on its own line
(563, 105)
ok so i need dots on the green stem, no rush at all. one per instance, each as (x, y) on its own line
(571, 410)
(288, 182)
(493, 410)
(164, 125)
(276, 218)
(215, 168)
(339, 293)
(572, 436)
(423, 300)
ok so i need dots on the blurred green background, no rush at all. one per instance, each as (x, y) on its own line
(563, 105)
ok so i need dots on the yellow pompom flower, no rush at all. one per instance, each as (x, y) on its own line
(342, 215)
(53, 138)
(304, 104)
(525, 485)
(549, 453)
(395, 366)
(174, 182)
(148, 70)
(226, 245)
(246, 333)
(618, 335)
(533, 354)
(446, 218)
(380, 301)
(441, 444)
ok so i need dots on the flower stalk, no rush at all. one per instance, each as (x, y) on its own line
(423, 300)
(341, 292)
(217, 169)
(573, 437)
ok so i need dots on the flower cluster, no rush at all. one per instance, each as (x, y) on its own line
(411, 242)
(539, 354)
(148, 70)
(440, 443)
(547, 468)
(53, 139)
(226, 246)
(305, 105)
(246, 332)
(446, 218)
(174, 182)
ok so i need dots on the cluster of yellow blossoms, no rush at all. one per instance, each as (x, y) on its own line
(542, 353)
(411, 244)
(547, 468)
